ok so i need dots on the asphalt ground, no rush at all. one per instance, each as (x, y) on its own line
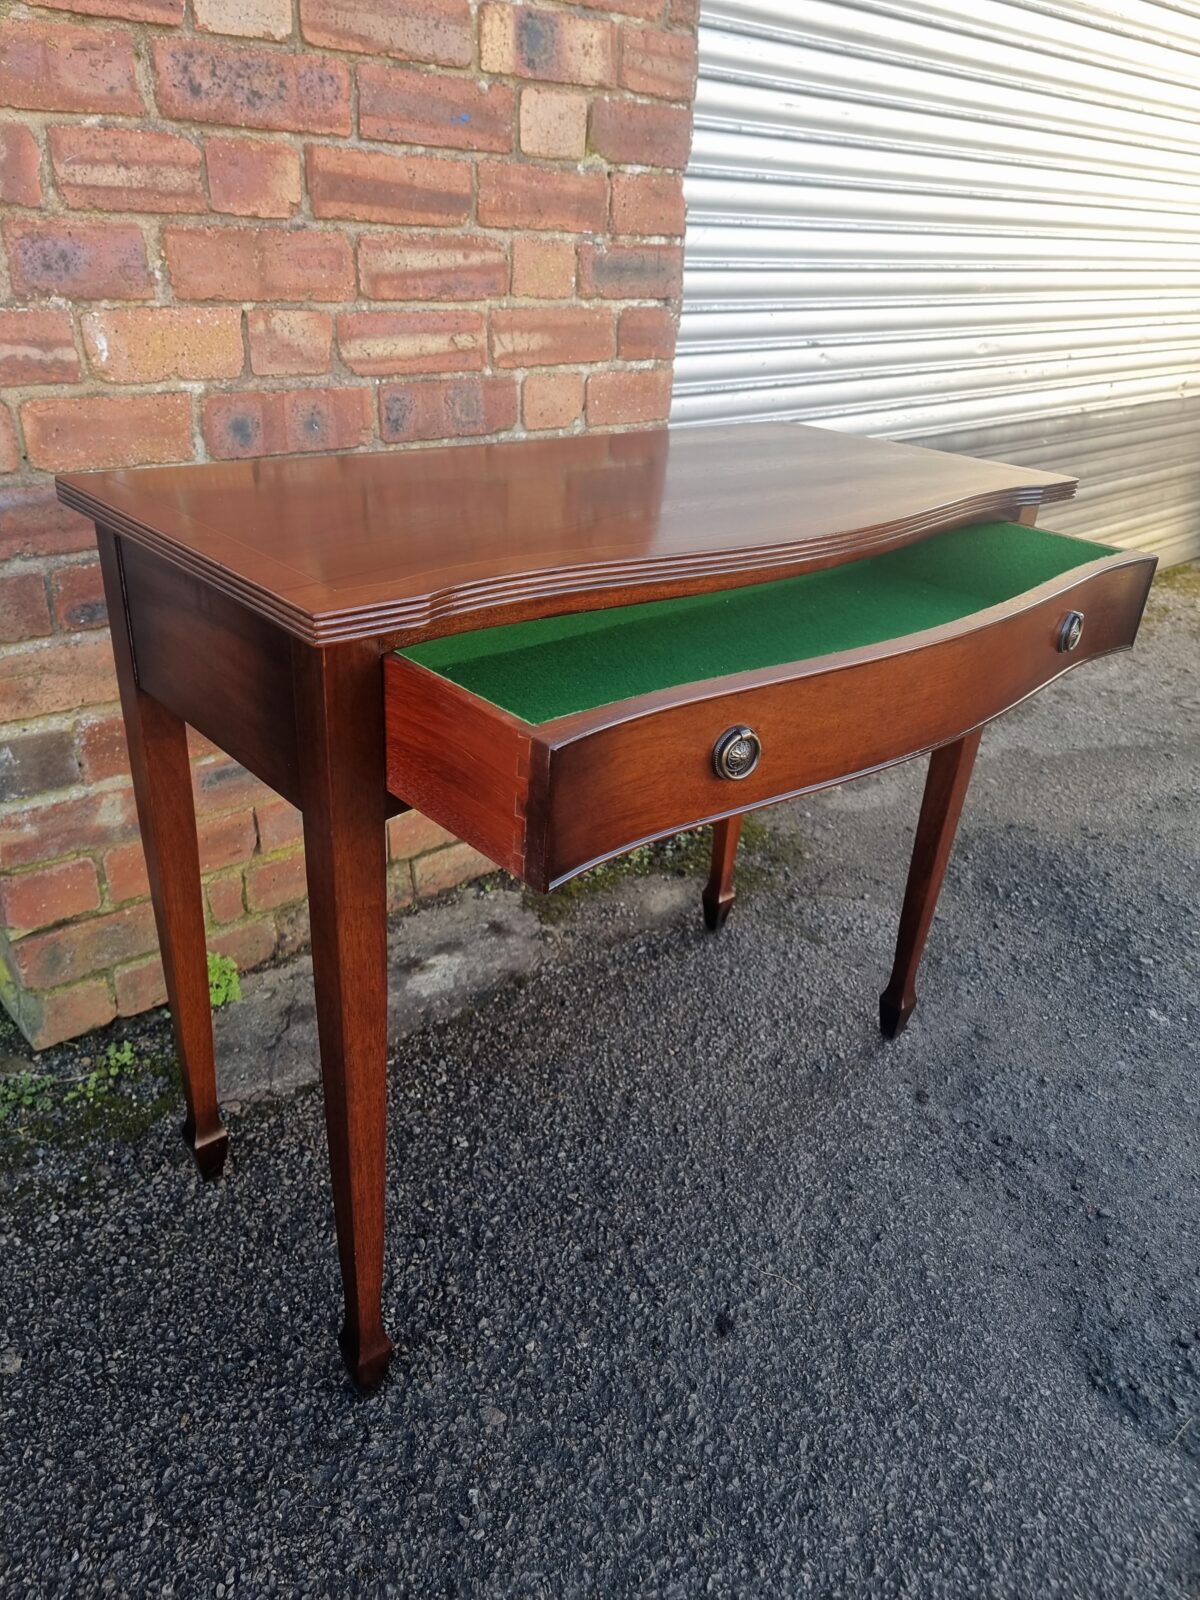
(698, 1287)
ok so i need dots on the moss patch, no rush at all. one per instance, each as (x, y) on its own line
(683, 855)
(68, 1096)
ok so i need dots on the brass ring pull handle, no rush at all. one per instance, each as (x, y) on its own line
(736, 753)
(1071, 630)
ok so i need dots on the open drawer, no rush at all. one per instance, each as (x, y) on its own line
(553, 744)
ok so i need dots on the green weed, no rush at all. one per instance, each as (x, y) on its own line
(224, 985)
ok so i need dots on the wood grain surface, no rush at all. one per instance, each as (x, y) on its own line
(421, 542)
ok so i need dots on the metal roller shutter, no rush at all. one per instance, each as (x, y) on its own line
(975, 227)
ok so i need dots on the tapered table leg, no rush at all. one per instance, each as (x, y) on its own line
(718, 894)
(162, 786)
(945, 790)
(339, 719)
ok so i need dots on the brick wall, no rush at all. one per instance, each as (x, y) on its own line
(248, 227)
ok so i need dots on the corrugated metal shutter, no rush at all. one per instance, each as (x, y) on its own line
(972, 226)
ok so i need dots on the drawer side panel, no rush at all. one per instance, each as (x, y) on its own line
(460, 761)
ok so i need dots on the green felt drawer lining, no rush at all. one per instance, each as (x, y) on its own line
(556, 665)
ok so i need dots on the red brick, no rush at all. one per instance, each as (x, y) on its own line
(20, 162)
(127, 169)
(37, 347)
(66, 827)
(24, 612)
(386, 343)
(221, 785)
(551, 400)
(103, 752)
(399, 887)
(48, 1019)
(107, 431)
(658, 63)
(226, 900)
(525, 42)
(62, 955)
(553, 198)
(197, 81)
(200, 748)
(33, 522)
(407, 106)
(446, 869)
(646, 333)
(166, 12)
(140, 986)
(434, 31)
(51, 66)
(226, 839)
(543, 269)
(252, 263)
(275, 883)
(647, 9)
(10, 450)
(248, 19)
(631, 271)
(78, 260)
(432, 266)
(446, 408)
(252, 177)
(367, 186)
(288, 344)
(279, 825)
(642, 135)
(648, 202)
(286, 422)
(682, 13)
(36, 762)
(626, 397)
(551, 336)
(554, 123)
(48, 895)
(44, 679)
(77, 592)
(411, 834)
(247, 943)
(154, 343)
(125, 873)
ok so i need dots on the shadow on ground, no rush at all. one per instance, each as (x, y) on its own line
(697, 1286)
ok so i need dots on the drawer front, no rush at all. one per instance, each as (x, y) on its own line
(648, 770)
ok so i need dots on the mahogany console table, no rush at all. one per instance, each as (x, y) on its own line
(560, 649)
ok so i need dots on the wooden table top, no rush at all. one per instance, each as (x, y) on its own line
(396, 542)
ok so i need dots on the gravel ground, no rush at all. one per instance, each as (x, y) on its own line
(697, 1286)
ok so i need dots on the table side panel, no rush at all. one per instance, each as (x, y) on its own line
(221, 667)
(647, 775)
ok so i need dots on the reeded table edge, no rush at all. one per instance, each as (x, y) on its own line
(540, 591)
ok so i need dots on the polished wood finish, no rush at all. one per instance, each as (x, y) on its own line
(596, 783)
(465, 762)
(162, 781)
(339, 724)
(255, 600)
(225, 670)
(945, 790)
(718, 894)
(421, 542)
